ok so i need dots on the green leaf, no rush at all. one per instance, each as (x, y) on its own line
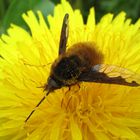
(18, 7)
(45, 6)
(2, 9)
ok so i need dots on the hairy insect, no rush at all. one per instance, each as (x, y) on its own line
(83, 62)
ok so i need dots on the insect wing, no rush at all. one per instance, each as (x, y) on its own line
(64, 35)
(103, 73)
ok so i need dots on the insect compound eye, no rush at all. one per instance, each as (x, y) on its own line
(53, 84)
(68, 68)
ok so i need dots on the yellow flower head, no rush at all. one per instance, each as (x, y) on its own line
(94, 111)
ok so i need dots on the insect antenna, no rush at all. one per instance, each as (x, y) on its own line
(36, 106)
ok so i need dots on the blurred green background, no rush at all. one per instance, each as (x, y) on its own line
(11, 10)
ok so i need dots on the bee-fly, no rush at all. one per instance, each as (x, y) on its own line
(83, 62)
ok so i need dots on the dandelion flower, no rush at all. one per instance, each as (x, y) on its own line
(95, 111)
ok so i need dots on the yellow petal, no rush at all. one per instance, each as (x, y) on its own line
(75, 130)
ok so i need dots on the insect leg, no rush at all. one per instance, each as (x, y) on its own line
(32, 65)
(69, 87)
(78, 87)
(68, 103)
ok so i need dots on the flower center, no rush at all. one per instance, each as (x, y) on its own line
(84, 111)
